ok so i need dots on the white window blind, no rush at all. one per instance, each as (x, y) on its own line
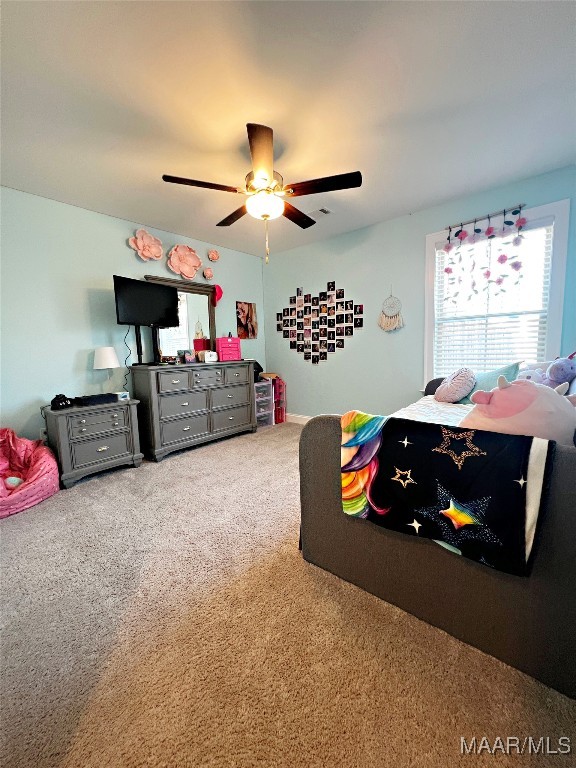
(486, 313)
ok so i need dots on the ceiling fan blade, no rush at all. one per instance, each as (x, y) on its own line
(326, 184)
(297, 216)
(260, 138)
(196, 183)
(234, 216)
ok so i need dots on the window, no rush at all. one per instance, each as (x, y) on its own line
(489, 304)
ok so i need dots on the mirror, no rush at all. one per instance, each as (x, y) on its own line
(196, 312)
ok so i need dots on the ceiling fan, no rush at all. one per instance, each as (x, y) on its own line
(265, 188)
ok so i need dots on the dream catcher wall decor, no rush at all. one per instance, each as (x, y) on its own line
(390, 317)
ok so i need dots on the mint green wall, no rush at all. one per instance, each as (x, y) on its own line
(58, 301)
(380, 372)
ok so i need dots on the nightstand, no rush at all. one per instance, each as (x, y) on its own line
(93, 438)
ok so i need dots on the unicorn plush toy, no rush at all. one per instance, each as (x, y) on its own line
(524, 408)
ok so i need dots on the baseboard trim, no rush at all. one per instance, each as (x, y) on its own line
(296, 419)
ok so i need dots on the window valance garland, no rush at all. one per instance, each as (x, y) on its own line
(485, 256)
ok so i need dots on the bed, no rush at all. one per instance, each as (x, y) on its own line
(529, 623)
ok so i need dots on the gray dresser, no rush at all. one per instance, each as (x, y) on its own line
(93, 438)
(185, 405)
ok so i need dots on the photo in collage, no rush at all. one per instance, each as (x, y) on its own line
(317, 326)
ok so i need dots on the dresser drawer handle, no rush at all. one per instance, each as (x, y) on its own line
(82, 421)
(114, 415)
(115, 424)
(83, 429)
(197, 375)
(230, 418)
(185, 429)
(175, 381)
(184, 404)
(229, 395)
(103, 448)
(236, 374)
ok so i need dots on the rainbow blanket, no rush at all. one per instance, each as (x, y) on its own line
(477, 493)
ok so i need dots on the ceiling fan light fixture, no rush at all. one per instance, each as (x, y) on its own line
(265, 205)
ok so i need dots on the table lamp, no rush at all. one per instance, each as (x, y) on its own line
(105, 357)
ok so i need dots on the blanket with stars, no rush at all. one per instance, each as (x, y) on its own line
(477, 493)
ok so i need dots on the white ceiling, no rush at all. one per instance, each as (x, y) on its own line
(429, 100)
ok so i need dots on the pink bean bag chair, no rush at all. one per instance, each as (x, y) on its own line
(28, 473)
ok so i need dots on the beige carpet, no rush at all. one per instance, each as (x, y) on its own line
(163, 617)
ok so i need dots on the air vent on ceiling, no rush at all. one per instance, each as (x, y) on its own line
(320, 213)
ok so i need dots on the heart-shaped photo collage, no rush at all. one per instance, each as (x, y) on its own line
(317, 326)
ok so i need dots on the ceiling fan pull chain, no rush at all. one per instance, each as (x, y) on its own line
(267, 246)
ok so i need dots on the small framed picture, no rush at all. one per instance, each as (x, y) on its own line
(307, 355)
(323, 320)
(299, 292)
(299, 302)
(292, 311)
(323, 309)
(323, 355)
(307, 298)
(286, 333)
(285, 311)
(278, 316)
(348, 305)
(278, 326)
(300, 348)
(340, 319)
(315, 325)
(292, 335)
(293, 344)
(315, 301)
(331, 298)
(323, 332)
(292, 299)
(339, 330)
(331, 285)
(307, 322)
(349, 318)
(349, 330)
(307, 310)
(188, 356)
(331, 347)
(340, 293)
(300, 336)
(331, 322)
(323, 296)
(315, 335)
(358, 322)
(331, 335)
(315, 359)
(315, 348)
(358, 309)
(286, 322)
(339, 343)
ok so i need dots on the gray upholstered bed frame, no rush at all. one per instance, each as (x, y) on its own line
(529, 623)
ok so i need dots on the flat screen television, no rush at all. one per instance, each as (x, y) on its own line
(142, 303)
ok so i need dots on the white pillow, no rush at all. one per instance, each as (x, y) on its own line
(456, 386)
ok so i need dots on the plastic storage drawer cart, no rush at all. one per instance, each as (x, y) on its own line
(264, 403)
(228, 348)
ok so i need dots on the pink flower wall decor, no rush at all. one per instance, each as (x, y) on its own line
(184, 261)
(146, 245)
(208, 273)
(213, 255)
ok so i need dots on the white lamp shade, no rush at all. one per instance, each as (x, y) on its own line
(105, 357)
(264, 205)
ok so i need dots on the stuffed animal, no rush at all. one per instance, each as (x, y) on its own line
(537, 375)
(561, 370)
(522, 407)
